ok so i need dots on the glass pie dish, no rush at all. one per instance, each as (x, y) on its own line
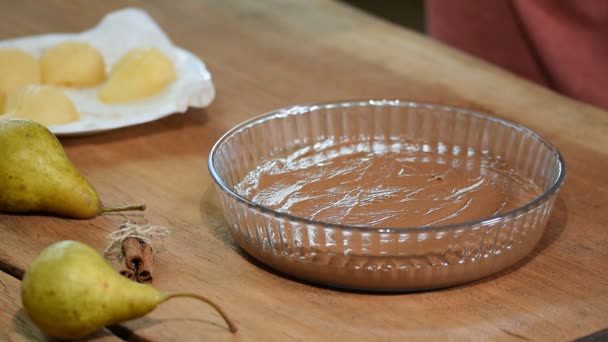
(381, 258)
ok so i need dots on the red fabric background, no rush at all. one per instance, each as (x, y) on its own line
(562, 44)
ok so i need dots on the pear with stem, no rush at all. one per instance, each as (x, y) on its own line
(37, 176)
(70, 291)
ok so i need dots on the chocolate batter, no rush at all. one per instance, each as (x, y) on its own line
(388, 186)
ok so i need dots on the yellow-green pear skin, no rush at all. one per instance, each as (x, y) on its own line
(36, 174)
(70, 291)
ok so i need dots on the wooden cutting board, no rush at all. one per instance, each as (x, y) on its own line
(269, 54)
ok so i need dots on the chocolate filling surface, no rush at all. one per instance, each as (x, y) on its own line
(377, 184)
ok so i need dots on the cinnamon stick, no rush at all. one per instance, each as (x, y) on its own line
(132, 252)
(144, 272)
(126, 271)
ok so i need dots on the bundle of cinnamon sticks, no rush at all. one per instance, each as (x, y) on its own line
(138, 261)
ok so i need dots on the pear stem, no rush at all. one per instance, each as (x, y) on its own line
(217, 308)
(141, 207)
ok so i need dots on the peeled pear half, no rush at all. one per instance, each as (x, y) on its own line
(72, 64)
(44, 104)
(17, 68)
(140, 73)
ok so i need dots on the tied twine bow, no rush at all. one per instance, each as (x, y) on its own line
(129, 229)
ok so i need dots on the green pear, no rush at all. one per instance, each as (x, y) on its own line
(70, 291)
(36, 174)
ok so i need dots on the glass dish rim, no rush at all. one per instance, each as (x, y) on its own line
(303, 108)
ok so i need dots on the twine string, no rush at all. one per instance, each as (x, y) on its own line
(129, 229)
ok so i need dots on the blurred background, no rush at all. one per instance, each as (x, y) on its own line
(557, 44)
(408, 13)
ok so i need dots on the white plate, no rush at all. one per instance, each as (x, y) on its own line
(116, 34)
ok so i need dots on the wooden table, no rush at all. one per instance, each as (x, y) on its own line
(269, 54)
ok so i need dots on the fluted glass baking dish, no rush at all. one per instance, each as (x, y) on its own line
(377, 258)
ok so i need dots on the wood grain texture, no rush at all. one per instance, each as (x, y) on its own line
(275, 53)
